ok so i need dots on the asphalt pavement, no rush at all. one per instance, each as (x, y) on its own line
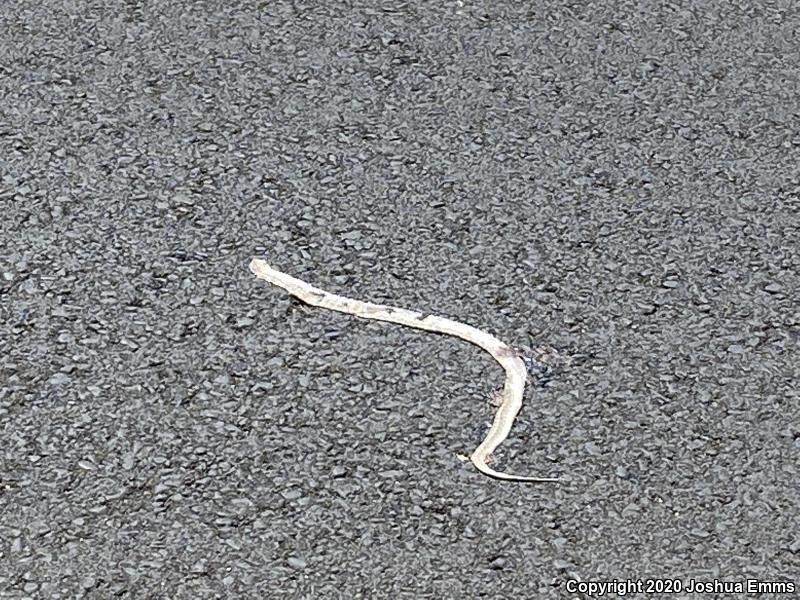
(619, 182)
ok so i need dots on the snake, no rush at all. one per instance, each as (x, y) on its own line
(509, 400)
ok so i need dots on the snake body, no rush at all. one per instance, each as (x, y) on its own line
(516, 373)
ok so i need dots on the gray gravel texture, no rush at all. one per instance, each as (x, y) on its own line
(614, 180)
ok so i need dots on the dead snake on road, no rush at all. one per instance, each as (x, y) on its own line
(510, 400)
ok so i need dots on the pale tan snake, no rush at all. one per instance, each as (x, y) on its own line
(516, 372)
